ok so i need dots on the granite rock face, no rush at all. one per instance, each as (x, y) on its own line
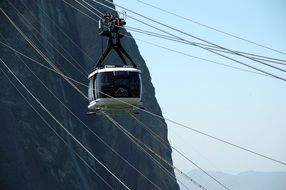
(32, 156)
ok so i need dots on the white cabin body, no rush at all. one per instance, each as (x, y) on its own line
(114, 88)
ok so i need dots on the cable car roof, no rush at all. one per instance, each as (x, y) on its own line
(111, 69)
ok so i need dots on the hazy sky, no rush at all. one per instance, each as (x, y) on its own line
(244, 108)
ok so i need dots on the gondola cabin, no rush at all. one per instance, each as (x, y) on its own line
(113, 87)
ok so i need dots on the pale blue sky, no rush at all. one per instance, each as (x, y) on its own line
(244, 108)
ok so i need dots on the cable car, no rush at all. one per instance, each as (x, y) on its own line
(114, 87)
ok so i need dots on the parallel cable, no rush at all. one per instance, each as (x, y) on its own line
(253, 56)
(95, 133)
(28, 24)
(130, 136)
(202, 133)
(189, 55)
(173, 39)
(212, 28)
(87, 8)
(195, 37)
(90, 129)
(262, 58)
(247, 65)
(198, 44)
(161, 158)
(196, 57)
(197, 131)
(74, 138)
(92, 7)
(167, 146)
(68, 109)
(63, 32)
(54, 131)
(210, 136)
(40, 52)
(12, 23)
(79, 10)
(220, 139)
(40, 64)
(216, 138)
(98, 137)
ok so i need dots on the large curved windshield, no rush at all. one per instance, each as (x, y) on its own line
(118, 84)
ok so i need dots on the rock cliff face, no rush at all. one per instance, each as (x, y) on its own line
(31, 155)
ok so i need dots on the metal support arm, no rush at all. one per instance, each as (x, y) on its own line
(114, 43)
